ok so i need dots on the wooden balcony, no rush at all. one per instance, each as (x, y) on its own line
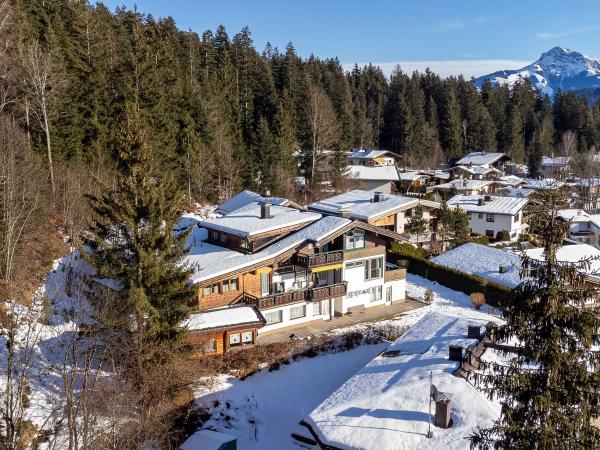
(309, 294)
(325, 292)
(394, 274)
(320, 259)
(283, 299)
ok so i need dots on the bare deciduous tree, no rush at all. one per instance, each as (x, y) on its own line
(42, 83)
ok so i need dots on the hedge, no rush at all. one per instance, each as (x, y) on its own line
(459, 281)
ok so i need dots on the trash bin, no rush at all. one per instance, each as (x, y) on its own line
(442, 413)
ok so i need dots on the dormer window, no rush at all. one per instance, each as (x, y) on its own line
(355, 239)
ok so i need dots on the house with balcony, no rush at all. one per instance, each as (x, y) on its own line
(484, 159)
(463, 186)
(389, 211)
(489, 215)
(265, 267)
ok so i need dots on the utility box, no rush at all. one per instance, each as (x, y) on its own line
(474, 332)
(455, 353)
(442, 413)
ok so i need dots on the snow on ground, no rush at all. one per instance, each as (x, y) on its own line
(265, 408)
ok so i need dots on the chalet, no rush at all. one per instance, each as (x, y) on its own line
(370, 157)
(484, 159)
(279, 267)
(584, 227)
(373, 177)
(381, 210)
(555, 167)
(511, 180)
(464, 187)
(489, 215)
(587, 194)
(475, 172)
(413, 181)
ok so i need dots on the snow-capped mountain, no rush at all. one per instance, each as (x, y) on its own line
(557, 69)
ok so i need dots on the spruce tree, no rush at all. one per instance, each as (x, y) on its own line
(417, 224)
(134, 245)
(549, 388)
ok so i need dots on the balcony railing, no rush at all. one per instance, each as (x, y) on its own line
(309, 294)
(320, 259)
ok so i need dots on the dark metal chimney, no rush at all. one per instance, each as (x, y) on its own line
(265, 210)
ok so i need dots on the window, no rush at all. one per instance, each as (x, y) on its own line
(279, 287)
(350, 265)
(375, 293)
(297, 311)
(233, 284)
(215, 288)
(214, 235)
(355, 239)
(247, 337)
(388, 294)
(480, 215)
(273, 317)
(245, 244)
(373, 268)
(206, 291)
(226, 286)
(209, 346)
(264, 284)
(490, 218)
(234, 339)
(212, 289)
(316, 308)
(469, 216)
(489, 233)
(223, 238)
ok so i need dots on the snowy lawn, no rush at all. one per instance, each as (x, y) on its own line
(263, 410)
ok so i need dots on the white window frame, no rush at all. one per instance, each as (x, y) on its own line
(268, 315)
(245, 339)
(490, 218)
(369, 268)
(295, 309)
(233, 337)
(354, 237)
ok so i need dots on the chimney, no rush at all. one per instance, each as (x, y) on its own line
(502, 269)
(488, 198)
(344, 211)
(378, 197)
(474, 332)
(265, 210)
(480, 201)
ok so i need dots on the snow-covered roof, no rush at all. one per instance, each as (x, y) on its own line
(512, 180)
(588, 182)
(517, 192)
(369, 153)
(557, 161)
(360, 204)
(545, 183)
(246, 197)
(246, 221)
(385, 405)
(223, 317)
(477, 170)
(383, 173)
(483, 261)
(463, 184)
(411, 175)
(480, 158)
(572, 254)
(496, 205)
(210, 261)
(206, 440)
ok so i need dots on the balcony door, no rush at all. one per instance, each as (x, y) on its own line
(264, 284)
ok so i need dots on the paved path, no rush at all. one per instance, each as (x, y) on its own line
(373, 314)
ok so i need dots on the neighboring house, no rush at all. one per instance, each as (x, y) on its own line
(520, 170)
(488, 263)
(413, 181)
(484, 159)
(475, 172)
(374, 177)
(388, 211)
(488, 215)
(296, 267)
(370, 157)
(246, 197)
(511, 180)
(555, 167)
(464, 187)
(544, 184)
(587, 194)
(385, 405)
(569, 254)
(584, 227)
(516, 192)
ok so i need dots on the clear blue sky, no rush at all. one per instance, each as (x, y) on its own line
(451, 36)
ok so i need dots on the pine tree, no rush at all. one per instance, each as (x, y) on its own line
(549, 389)
(452, 136)
(133, 243)
(417, 224)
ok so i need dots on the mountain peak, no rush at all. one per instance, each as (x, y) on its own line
(557, 69)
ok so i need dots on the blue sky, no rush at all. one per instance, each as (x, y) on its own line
(469, 37)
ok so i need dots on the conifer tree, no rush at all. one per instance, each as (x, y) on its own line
(549, 388)
(417, 224)
(134, 245)
(452, 136)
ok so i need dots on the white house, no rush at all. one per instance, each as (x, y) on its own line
(555, 167)
(485, 159)
(584, 227)
(374, 177)
(463, 186)
(488, 215)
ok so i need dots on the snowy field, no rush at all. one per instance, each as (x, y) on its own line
(263, 410)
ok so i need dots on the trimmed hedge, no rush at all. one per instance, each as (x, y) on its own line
(495, 293)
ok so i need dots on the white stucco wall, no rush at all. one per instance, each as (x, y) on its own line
(501, 222)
